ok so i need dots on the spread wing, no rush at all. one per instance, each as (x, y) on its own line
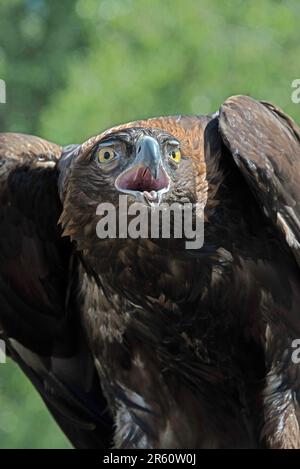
(39, 315)
(265, 145)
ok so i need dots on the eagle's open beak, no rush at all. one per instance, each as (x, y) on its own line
(146, 176)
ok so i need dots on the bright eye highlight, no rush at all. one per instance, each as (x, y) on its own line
(175, 155)
(106, 154)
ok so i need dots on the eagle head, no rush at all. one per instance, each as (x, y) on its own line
(147, 165)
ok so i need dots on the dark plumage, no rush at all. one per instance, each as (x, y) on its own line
(141, 343)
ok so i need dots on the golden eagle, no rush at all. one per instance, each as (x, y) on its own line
(141, 343)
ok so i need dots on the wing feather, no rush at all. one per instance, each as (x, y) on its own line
(39, 315)
(265, 145)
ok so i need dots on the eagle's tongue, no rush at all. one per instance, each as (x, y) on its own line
(141, 179)
(151, 196)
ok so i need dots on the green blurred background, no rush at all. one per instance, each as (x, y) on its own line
(75, 67)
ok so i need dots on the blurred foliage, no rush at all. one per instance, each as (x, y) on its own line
(75, 67)
(24, 421)
(37, 41)
(150, 58)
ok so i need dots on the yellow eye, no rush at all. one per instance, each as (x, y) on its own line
(175, 155)
(106, 154)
